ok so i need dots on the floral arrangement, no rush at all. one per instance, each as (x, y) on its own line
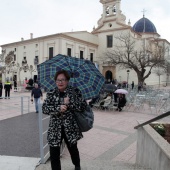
(160, 128)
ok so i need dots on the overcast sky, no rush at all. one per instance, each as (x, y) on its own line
(19, 18)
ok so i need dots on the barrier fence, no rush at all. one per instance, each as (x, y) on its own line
(16, 105)
(19, 105)
(43, 126)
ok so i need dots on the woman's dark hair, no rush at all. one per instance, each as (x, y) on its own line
(66, 74)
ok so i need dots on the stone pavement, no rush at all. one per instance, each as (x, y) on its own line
(110, 145)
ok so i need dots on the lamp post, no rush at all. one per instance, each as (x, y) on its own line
(127, 77)
(120, 78)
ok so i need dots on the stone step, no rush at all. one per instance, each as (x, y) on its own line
(94, 165)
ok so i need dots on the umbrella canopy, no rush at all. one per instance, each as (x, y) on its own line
(84, 74)
(109, 88)
(121, 91)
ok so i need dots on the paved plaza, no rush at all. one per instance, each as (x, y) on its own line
(110, 145)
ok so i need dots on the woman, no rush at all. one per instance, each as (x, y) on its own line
(60, 104)
(121, 102)
(106, 101)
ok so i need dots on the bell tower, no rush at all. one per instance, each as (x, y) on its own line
(110, 7)
(111, 12)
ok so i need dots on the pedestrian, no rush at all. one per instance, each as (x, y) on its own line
(144, 86)
(60, 104)
(7, 87)
(36, 82)
(25, 83)
(105, 102)
(121, 102)
(132, 84)
(94, 100)
(139, 86)
(36, 94)
(1, 87)
(115, 95)
(15, 86)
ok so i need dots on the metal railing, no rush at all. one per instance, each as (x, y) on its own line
(44, 156)
(152, 120)
(44, 150)
(16, 105)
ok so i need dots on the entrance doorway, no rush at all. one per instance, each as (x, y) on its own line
(35, 78)
(108, 76)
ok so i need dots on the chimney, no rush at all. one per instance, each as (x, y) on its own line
(31, 35)
(22, 39)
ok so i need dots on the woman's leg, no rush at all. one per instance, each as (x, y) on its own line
(73, 150)
(55, 158)
(119, 107)
(55, 154)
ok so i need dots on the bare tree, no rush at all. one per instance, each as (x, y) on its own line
(10, 66)
(166, 70)
(127, 55)
(159, 71)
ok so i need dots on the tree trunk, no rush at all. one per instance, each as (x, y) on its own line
(140, 79)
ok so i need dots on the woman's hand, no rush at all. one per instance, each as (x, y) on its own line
(66, 100)
(63, 108)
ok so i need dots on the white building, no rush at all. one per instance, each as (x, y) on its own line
(83, 44)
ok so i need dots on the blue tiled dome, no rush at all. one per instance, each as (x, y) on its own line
(144, 25)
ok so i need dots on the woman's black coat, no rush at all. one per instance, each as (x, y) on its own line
(51, 106)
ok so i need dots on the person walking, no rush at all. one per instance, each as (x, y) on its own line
(121, 102)
(139, 86)
(15, 86)
(36, 94)
(132, 84)
(7, 87)
(1, 87)
(61, 103)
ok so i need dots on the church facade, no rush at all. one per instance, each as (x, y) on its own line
(27, 54)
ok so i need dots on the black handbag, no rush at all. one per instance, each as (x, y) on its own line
(85, 119)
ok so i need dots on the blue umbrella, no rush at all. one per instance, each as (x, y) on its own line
(84, 74)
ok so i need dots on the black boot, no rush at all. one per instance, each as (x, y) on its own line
(77, 168)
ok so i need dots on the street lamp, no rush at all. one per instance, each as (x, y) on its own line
(120, 78)
(127, 77)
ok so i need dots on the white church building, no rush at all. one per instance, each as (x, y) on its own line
(27, 54)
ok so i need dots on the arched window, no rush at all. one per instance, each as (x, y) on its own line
(107, 10)
(114, 9)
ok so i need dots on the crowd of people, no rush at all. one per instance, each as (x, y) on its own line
(119, 100)
(7, 86)
(110, 98)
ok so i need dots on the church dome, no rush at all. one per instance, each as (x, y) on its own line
(144, 25)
